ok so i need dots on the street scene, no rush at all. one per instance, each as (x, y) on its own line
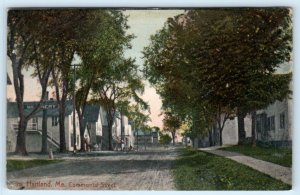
(149, 99)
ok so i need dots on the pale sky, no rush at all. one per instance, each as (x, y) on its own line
(143, 23)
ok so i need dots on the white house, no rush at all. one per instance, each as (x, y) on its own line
(126, 132)
(121, 130)
(34, 127)
(93, 124)
(274, 124)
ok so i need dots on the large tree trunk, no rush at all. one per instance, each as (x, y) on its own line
(253, 128)
(44, 129)
(173, 137)
(221, 137)
(110, 138)
(21, 140)
(44, 132)
(61, 111)
(221, 123)
(110, 118)
(122, 129)
(61, 121)
(82, 128)
(210, 136)
(241, 127)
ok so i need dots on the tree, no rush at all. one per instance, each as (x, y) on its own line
(23, 41)
(171, 124)
(79, 30)
(97, 53)
(52, 37)
(165, 139)
(217, 55)
(120, 85)
(168, 65)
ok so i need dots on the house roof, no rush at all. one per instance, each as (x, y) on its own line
(91, 113)
(52, 109)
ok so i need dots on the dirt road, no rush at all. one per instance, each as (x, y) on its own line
(145, 170)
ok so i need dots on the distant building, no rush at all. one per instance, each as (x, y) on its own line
(142, 138)
(155, 135)
(95, 118)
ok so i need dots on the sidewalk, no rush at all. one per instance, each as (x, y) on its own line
(281, 173)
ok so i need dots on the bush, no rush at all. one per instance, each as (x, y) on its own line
(165, 139)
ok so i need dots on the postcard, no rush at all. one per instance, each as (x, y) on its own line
(149, 99)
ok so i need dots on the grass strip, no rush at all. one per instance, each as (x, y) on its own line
(280, 156)
(197, 170)
(15, 165)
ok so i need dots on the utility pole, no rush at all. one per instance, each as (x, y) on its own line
(74, 111)
(74, 108)
(137, 140)
(122, 131)
(145, 140)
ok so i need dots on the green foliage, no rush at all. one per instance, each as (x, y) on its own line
(165, 139)
(281, 156)
(211, 61)
(15, 165)
(171, 122)
(195, 170)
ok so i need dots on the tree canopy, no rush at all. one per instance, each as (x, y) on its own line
(220, 59)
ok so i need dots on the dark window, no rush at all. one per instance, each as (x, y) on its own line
(268, 124)
(35, 120)
(282, 120)
(272, 124)
(54, 120)
(34, 123)
(258, 125)
(72, 140)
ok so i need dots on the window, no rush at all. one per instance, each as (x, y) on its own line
(34, 124)
(271, 123)
(35, 120)
(72, 139)
(282, 120)
(77, 139)
(258, 125)
(16, 126)
(54, 120)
